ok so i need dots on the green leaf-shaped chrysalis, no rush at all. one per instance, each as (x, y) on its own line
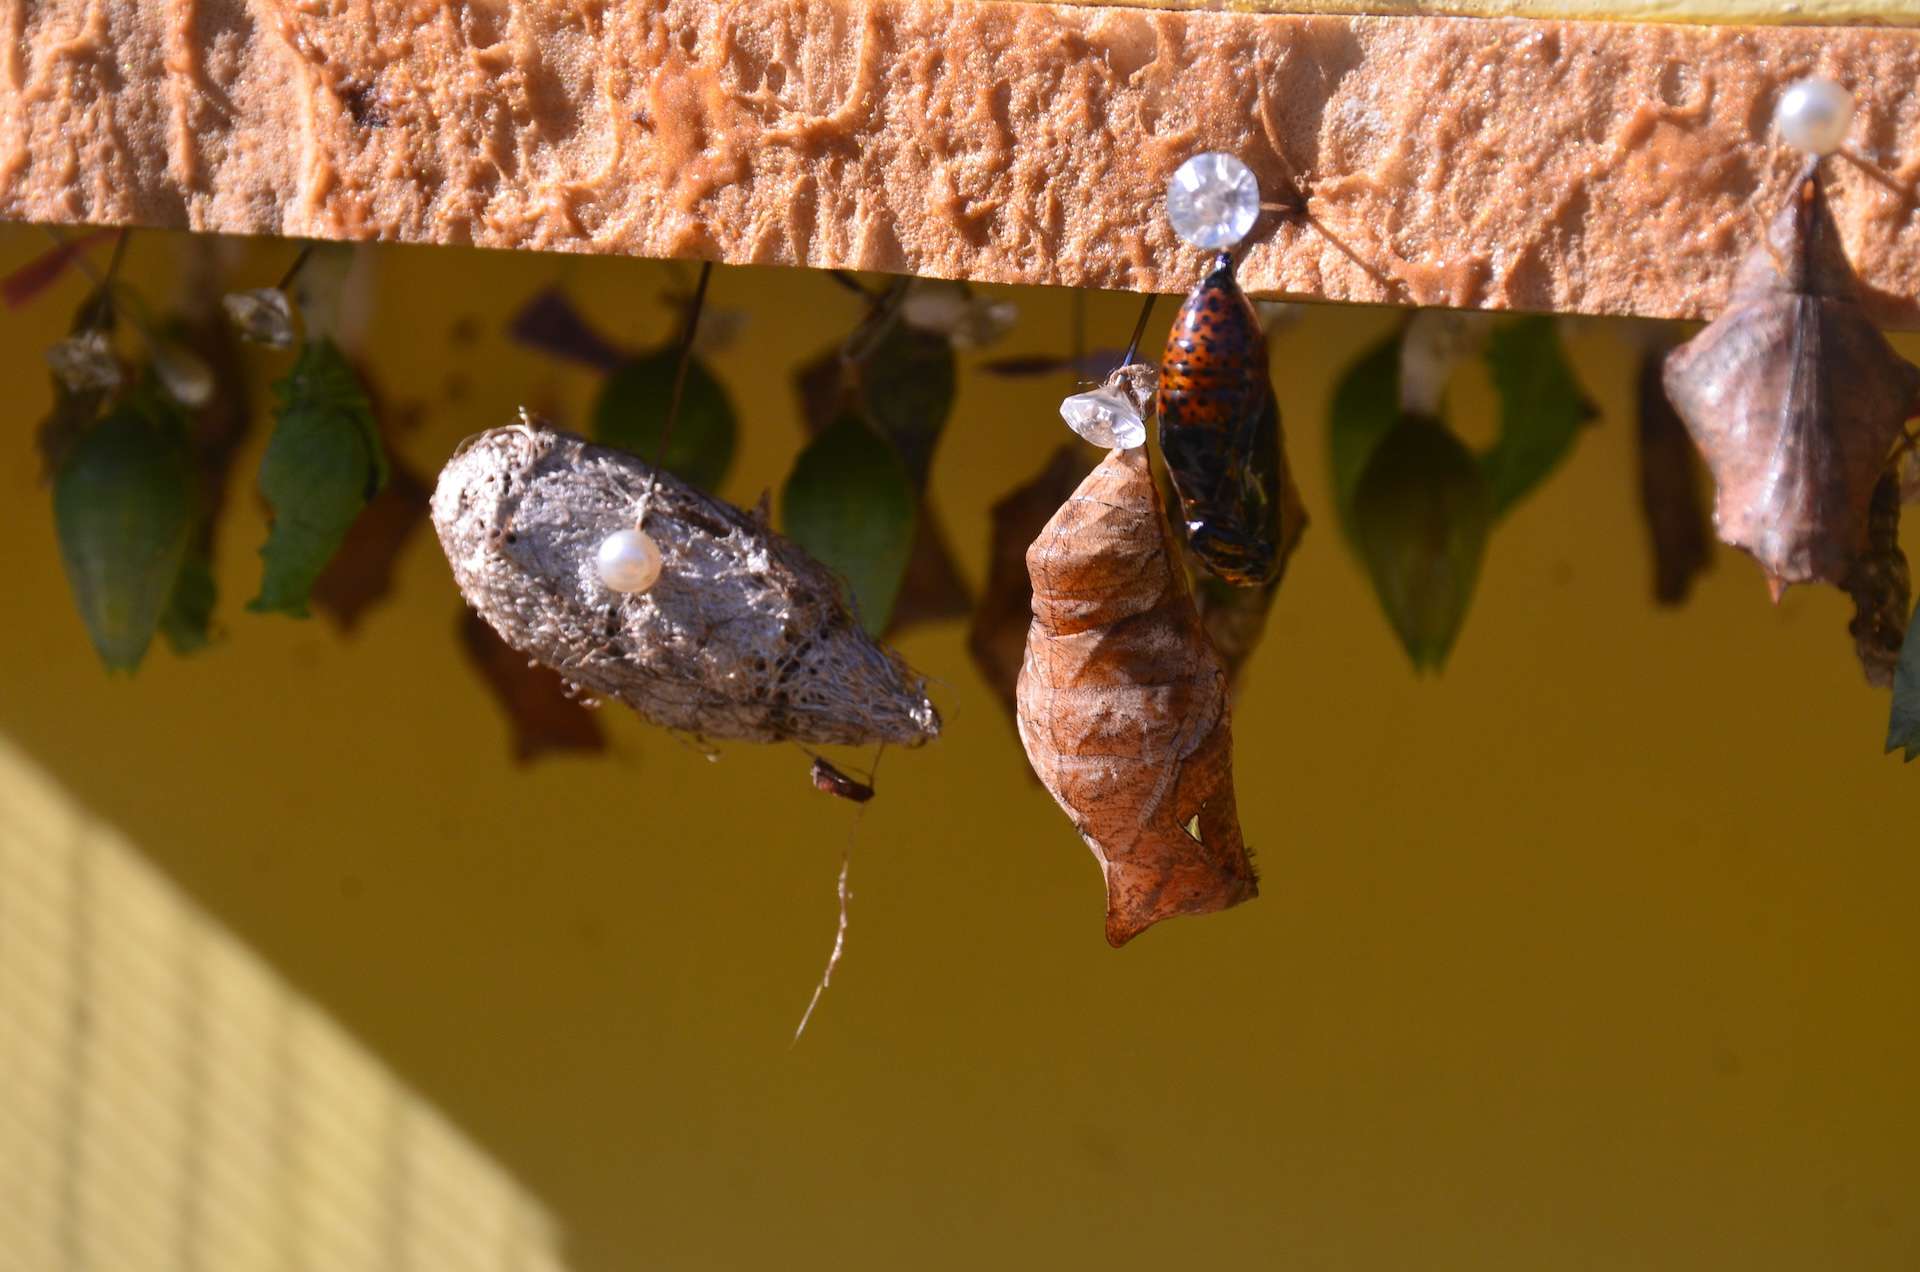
(1366, 406)
(1421, 512)
(1903, 725)
(632, 409)
(850, 502)
(123, 507)
(322, 464)
(1542, 409)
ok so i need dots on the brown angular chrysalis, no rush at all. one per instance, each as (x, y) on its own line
(1794, 399)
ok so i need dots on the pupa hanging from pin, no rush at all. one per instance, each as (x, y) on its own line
(1793, 397)
(1123, 705)
(1881, 587)
(1219, 420)
(702, 620)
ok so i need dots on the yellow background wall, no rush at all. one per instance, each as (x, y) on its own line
(1597, 952)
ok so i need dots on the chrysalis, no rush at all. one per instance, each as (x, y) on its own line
(1123, 705)
(1881, 588)
(1794, 399)
(744, 635)
(1235, 618)
(1220, 431)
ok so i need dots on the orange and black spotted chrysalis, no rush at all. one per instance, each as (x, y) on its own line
(1220, 431)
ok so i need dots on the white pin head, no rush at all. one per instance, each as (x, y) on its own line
(628, 561)
(1814, 115)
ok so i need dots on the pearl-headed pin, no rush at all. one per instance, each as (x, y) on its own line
(628, 561)
(1814, 114)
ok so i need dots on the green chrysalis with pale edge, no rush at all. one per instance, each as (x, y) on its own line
(123, 507)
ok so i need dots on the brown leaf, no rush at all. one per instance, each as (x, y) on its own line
(822, 389)
(1090, 367)
(1794, 398)
(46, 269)
(550, 322)
(1670, 492)
(360, 573)
(218, 427)
(998, 637)
(1123, 705)
(1235, 618)
(933, 589)
(1881, 588)
(542, 715)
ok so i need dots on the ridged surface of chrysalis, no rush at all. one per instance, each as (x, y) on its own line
(743, 637)
(1123, 705)
(1794, 399)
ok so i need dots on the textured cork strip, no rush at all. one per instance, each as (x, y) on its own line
(1709, 12)
(1500, 163)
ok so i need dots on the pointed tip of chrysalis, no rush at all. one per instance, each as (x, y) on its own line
(1146, 888)
(1776, 587)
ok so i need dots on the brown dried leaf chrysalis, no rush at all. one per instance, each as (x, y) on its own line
(1123, 704)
